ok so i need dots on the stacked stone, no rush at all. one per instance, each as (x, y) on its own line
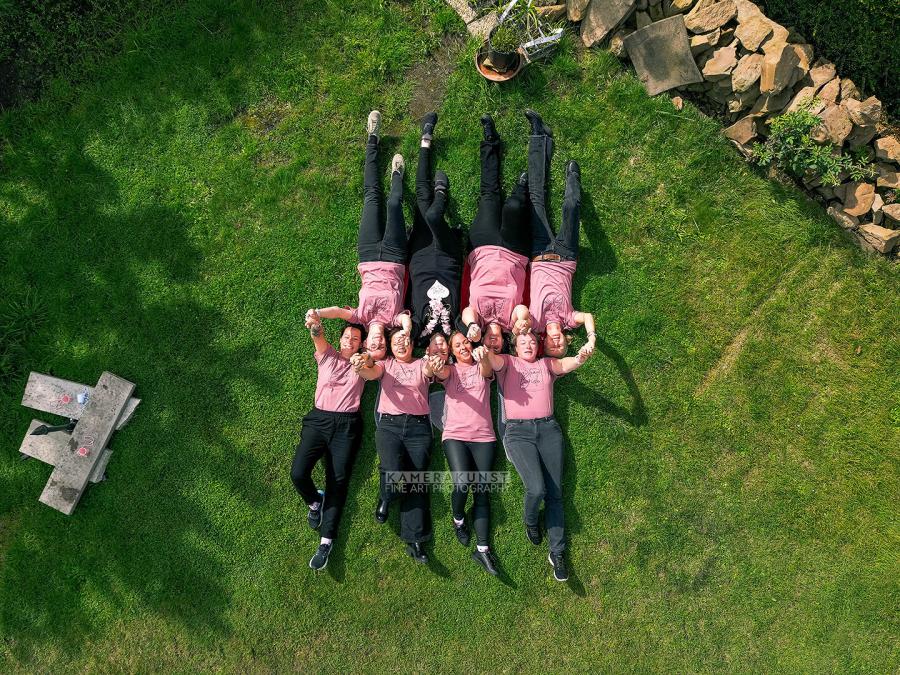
(753, 69)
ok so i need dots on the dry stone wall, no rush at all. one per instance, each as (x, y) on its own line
(754, 69)
(750, 69)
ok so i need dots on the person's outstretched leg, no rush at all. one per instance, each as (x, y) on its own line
(567, 241)
(394, 244)
(371, 224)
(424, 186)
(515, 228)
(540, 151)
(483, 454)
(485, 230)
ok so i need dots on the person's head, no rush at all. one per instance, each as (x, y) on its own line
(437, 346)
(401, 347)
(556, 341)
(351, 339)
(376, 344)
(527, 347)
(461, 348)
(493, 338)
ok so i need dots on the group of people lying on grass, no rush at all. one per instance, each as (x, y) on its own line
(465, 348)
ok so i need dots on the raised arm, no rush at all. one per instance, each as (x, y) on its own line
(570, 363)
(433, 365)
(495, 360)
(314, 323)
(470, 318)
(405, 321)
(335, 313)
(365, 367)
(480, 355)
(587, 319)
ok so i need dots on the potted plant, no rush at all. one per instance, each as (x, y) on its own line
(502, 47)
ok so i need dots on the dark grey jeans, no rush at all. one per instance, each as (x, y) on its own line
(535, 447)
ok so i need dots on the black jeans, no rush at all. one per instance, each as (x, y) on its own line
(381, 239)
(404, 444)
(497, 223)
(335, 437)
(535, 447)
(471, 458)
(540, 152)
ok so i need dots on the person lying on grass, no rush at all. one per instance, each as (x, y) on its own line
(403, 437)
(332, 432)
(435, 250)
(468, 440)
(500, 238)
(533, 439)
(554, 257)
(382, 249)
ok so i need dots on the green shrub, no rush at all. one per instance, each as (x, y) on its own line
(791, 148)
(861, 37)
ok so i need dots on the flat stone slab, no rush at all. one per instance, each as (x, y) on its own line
(661, 54)
(602, 18)
(50, 447)
(60, 397)
(84, 449)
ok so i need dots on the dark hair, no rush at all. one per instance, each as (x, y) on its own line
(356, 326)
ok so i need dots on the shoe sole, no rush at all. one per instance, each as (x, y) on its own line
(554, 570)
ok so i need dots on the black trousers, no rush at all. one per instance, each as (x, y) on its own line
(540, 151)
(334, 437)
(381, 239)
(467, 460)
(404, 445)
(430, 226)
(499, 223)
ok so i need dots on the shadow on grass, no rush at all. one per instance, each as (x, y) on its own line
(91, 265)
(117, 274)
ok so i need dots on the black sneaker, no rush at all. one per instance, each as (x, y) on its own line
(429, 122)
(314, 516)
(486, 560)
(490, 131)
(381, 511)
(538, 128)
(572, 169)
(441, 182)
(533, 532)
(558, 561)
(462, 533)
(417, 552)
(523, 179)
(320, 560)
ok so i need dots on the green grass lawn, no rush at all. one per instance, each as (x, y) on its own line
(732, 474)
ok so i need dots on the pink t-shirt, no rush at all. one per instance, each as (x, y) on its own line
(467, 405)
(496, 283)
(338, 388)
(380, 293)
(527, 388)
(551, 294)
(404, 388)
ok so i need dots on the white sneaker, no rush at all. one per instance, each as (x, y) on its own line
(398, 165)
(373, 126)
